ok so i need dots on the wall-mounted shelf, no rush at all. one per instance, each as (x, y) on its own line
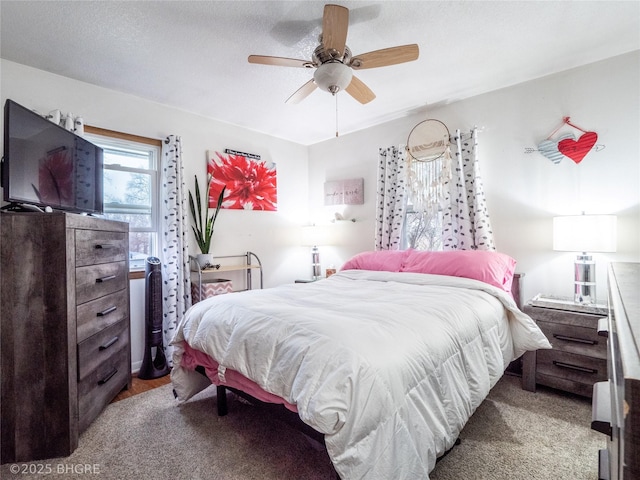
(250, 264)
(343, 220)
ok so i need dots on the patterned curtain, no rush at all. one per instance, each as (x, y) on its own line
(466, 224)
(174, 228)
(391, 198)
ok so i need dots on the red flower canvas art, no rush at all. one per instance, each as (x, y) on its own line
(251, 184)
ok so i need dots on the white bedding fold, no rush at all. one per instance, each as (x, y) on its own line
(389, 366)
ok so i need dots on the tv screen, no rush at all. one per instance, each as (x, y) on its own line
(48, 166)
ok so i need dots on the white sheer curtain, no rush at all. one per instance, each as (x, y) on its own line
(173, 231)
(391, 198)
(466, 223)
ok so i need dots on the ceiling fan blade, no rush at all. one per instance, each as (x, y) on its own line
(385, 57)
(358, 90)
(335, 24)
(303, 92)
(280, 61)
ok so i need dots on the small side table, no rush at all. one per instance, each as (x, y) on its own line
(579, 355)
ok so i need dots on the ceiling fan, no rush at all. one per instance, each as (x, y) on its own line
(334, 62)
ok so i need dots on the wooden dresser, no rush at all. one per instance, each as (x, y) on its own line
(579, 356)
(616, 402)
(64, 331)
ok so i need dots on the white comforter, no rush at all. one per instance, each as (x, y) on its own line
(389, 366)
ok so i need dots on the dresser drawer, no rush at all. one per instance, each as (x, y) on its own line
(572, 367)
(97, 314)
(96, 246)
(96, 281)
(97, 389)
(575, 339)
(99, 348)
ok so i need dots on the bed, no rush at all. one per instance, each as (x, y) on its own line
(386, 359)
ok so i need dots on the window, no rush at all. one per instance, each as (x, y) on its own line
(131, 188)
(422, 230)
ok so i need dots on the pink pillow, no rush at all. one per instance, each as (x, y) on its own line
(385, 260)
(490, 267)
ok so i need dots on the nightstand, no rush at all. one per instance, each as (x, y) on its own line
(579, 355)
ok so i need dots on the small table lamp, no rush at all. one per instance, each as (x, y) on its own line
(312, 236)
(585, 233)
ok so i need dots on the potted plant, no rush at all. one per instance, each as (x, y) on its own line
(203, 222)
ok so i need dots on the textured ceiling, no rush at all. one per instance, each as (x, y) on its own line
(192, 55)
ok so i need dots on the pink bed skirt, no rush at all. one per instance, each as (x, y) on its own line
(192, 358)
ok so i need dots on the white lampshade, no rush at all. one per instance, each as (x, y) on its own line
(333, 76)
(316, 235)
(585, 233)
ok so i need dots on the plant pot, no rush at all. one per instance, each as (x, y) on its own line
(205, 260)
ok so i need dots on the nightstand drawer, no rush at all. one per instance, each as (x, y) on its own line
(571, 367)
(96, 281)
(99, 348)
(566, 317)
(96, 246)
(574, 339)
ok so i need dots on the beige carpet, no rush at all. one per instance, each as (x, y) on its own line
(513, 435)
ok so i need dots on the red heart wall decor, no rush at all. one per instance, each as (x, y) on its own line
(577, 149)
(549, 148)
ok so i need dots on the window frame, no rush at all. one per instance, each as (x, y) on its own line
(434, 217)
(115, 137)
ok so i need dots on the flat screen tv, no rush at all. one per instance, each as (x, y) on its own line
(47, 166)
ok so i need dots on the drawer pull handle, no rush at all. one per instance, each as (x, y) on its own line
(107, 311)
(108, 377)
(109, 343)
(603, 327)
(574, 367)
(106, 278)
(105, 246)
(574, 339)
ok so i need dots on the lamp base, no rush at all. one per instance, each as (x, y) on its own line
(585, 280)
(315, 263)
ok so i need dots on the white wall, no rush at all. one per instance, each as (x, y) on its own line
(273, 236)
(524, 191)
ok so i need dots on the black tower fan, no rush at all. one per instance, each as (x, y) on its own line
(154, 363)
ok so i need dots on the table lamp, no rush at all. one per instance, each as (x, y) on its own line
(585, 233)
(314, 236)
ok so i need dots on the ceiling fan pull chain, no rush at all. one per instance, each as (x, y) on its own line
(335, 95)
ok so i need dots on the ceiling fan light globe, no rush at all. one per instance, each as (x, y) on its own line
(333, 76)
